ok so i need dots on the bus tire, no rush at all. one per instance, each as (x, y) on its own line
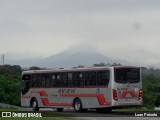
(34, 104)
(59, 109)
(77, 105)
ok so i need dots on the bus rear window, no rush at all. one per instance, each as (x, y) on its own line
(125, 75)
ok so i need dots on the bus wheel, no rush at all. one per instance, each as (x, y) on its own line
(35, 105)
(59, 109)
(77, 105)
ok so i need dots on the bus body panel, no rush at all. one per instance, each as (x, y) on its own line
(128, 92)
(90, 96)
(57, 97)
(127, 95)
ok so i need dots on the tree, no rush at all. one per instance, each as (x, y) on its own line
(5, 69)
(16, 70)
(10, 89)
(35, 68)
(8, 69)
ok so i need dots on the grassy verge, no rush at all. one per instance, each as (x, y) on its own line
(135, 110)
(43, 118)
(55, 116)
(8, 109)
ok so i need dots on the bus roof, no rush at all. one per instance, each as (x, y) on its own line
(76, 69)
(126, 67)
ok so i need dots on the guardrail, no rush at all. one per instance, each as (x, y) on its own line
(3, 105)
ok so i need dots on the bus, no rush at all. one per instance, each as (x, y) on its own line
(100, 88)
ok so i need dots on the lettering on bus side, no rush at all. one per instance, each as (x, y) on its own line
(66, 91)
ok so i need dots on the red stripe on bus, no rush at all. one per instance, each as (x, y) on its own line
(123, 95)
(132, 93)
(100, 97)
(43, 93)
(47, 103)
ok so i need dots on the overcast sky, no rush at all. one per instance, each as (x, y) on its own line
(124, 29)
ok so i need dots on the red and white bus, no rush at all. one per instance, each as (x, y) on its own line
(101, 88)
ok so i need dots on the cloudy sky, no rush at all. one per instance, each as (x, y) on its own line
(124, 29)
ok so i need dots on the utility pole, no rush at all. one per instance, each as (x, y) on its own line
(2, 60)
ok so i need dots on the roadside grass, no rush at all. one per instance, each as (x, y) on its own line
(51, 115)
(43, 118)
(8, 109)
(45, 115)
(133, 110)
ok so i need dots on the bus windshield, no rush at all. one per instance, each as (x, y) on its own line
(127, 75)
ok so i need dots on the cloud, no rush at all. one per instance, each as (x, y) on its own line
(117, 28)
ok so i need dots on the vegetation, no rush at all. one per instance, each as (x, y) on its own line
(151, 88)
(38, 118)
(10, 80)
(35, 68)
(10, 84)
(45, 115)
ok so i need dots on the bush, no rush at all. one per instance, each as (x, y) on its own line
(10, 89)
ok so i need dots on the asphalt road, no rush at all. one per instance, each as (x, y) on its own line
(90, 115)
(93, 115)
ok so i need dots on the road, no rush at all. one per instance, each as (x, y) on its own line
(90, 115)
(93, 115)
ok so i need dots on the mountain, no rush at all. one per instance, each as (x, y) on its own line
(66, 59)
(23, 62)
(74, 59)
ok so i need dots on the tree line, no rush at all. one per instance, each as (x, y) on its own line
(10, 85)
(151, 87)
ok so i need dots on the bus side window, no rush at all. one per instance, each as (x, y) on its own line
(93, 79)
(102, 78)
(26, 83)
(78, 79)
(58, 80)
(99, 79)
(38, 80)
(27, 86)
(90, 78)
(34, 80)
(81, 78)
(74, 79)
(87, 79)
(64, 80)
(26, 80)
(55, 81)
(70, 80)
(48, 80)
(45, 80)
